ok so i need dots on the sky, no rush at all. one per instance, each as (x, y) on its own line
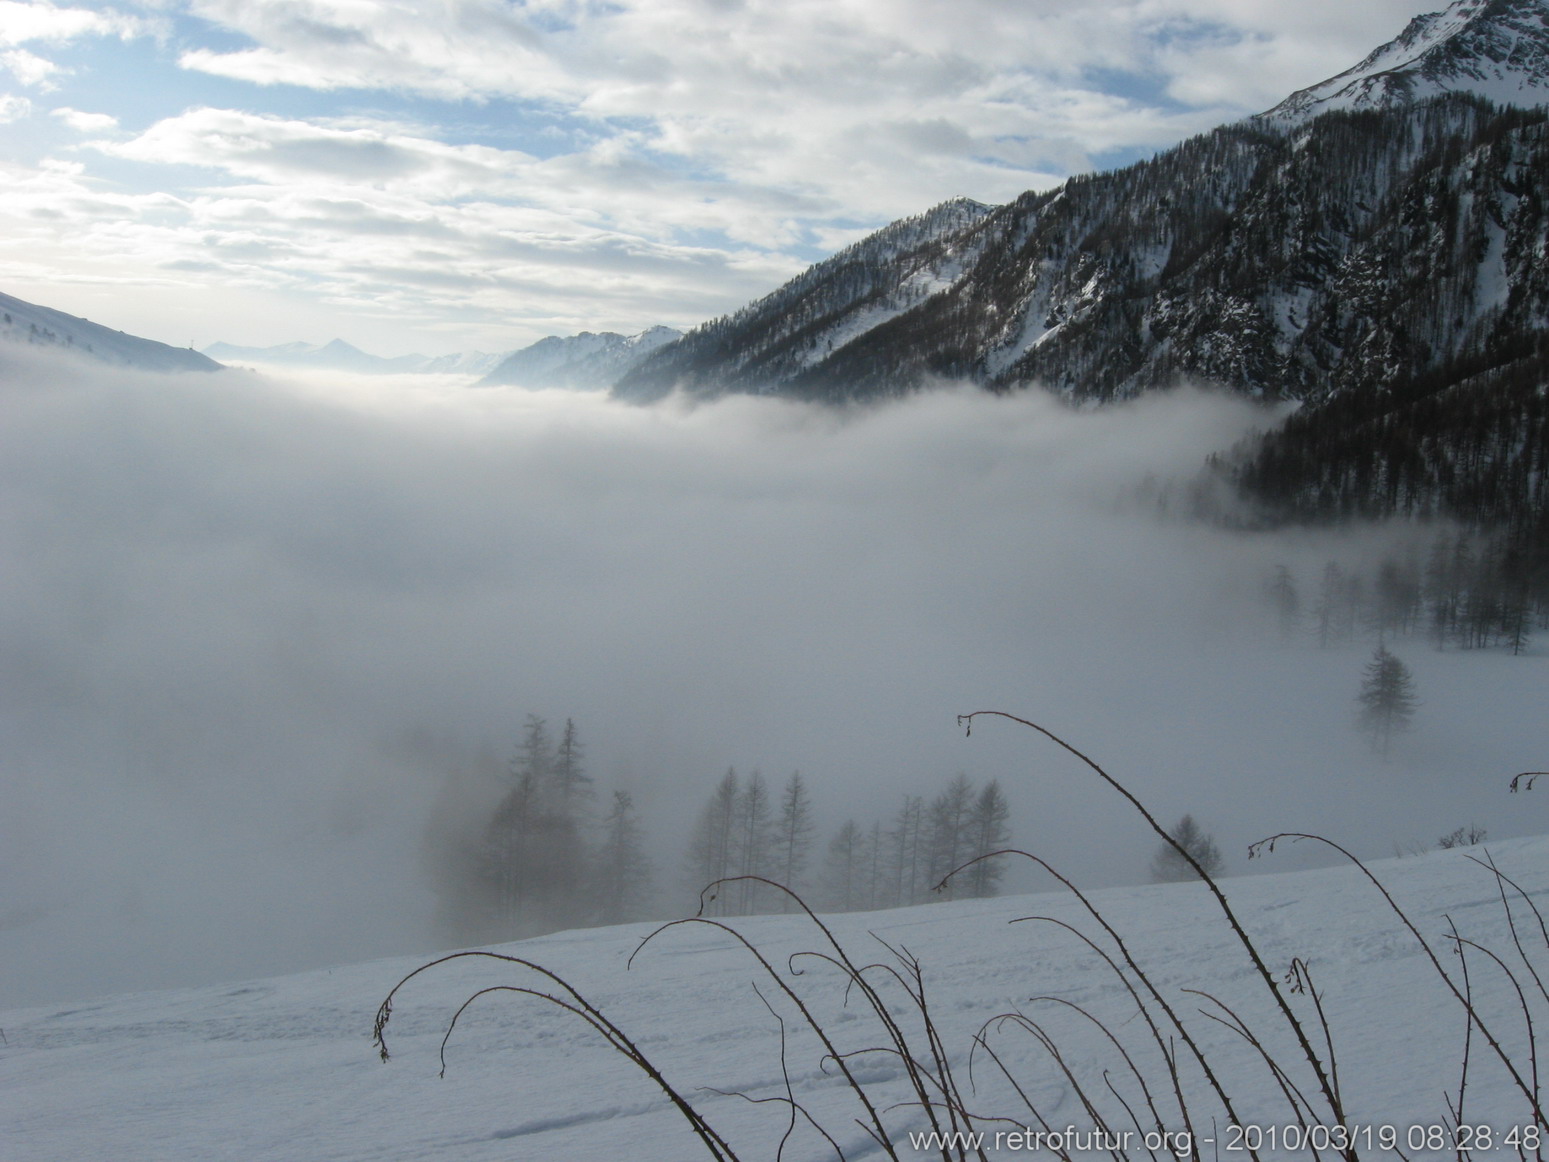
(477, 174)
(264, 642)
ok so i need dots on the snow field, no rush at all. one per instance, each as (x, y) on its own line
(284, 1068)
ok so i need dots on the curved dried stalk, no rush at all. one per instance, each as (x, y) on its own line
(575, 1004)
(1140, 973)
(876, 1129)
(1330, 1094)
(1268, 845)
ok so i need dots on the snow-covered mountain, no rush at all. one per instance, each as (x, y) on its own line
(785, 335)
(588, 361)
(1372, 244)
(284, 1068)
(23, 322)
(1278, 256)
(1494, 49)
(341, 356)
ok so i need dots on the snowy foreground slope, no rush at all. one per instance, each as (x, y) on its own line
(284, 1068)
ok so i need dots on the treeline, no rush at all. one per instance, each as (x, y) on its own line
(552, 853)
(1466, 592)
(747, 830)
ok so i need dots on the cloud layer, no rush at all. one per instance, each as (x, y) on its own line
(250, 629)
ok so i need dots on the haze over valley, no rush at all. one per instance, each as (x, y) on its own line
(256, 625)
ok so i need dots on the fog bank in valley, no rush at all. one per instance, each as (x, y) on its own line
(252, 627)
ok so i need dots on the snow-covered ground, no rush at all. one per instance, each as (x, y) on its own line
(285, 1069)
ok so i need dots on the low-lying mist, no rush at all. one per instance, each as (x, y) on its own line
(253, 627)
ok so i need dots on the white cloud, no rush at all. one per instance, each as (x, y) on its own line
(877, 106)
(22, 21)
(85, 122)
(13, 107)
(28, 68)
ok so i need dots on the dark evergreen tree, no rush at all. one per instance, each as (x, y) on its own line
(755, 844)
(1284, 600)
(621, 874)
(950, 835)
(712, 848)
(844, 868)
(571, 781)
(989, 828)
(1387, 700)
(1168, 866)
(793, 838)
(532, 856)
(1326, 613)
(908, 857)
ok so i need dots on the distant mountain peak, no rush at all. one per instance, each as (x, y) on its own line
(1496, 49)
(590, 360)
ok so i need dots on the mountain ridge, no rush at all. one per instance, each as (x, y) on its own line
(1495, 49)
(35, 325)
(1383, 261)
(913, 302)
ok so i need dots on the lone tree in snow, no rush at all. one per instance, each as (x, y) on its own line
(1168, 866)
(1387, 699)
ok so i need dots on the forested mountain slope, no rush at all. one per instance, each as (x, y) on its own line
(786, 335)
(1374, 249)
(1291, 264)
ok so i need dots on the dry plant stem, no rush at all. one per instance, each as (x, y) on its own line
(1264, 845)
(921, 1079)
(1020, 1092)
(581, 1007)
(1468, 1033)
(1292, 1093)
(920, 1076)
(1140, 974)
(1330, 1094)
(919, 1072)
(1527, 1013)
(1124, 1053)
(1043, 1037)
(1516, 938)
(789, 1099)
(941, 1077)
(1140, 1006)
(1134, 1121)
(1301, 973)
(876, 1129)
